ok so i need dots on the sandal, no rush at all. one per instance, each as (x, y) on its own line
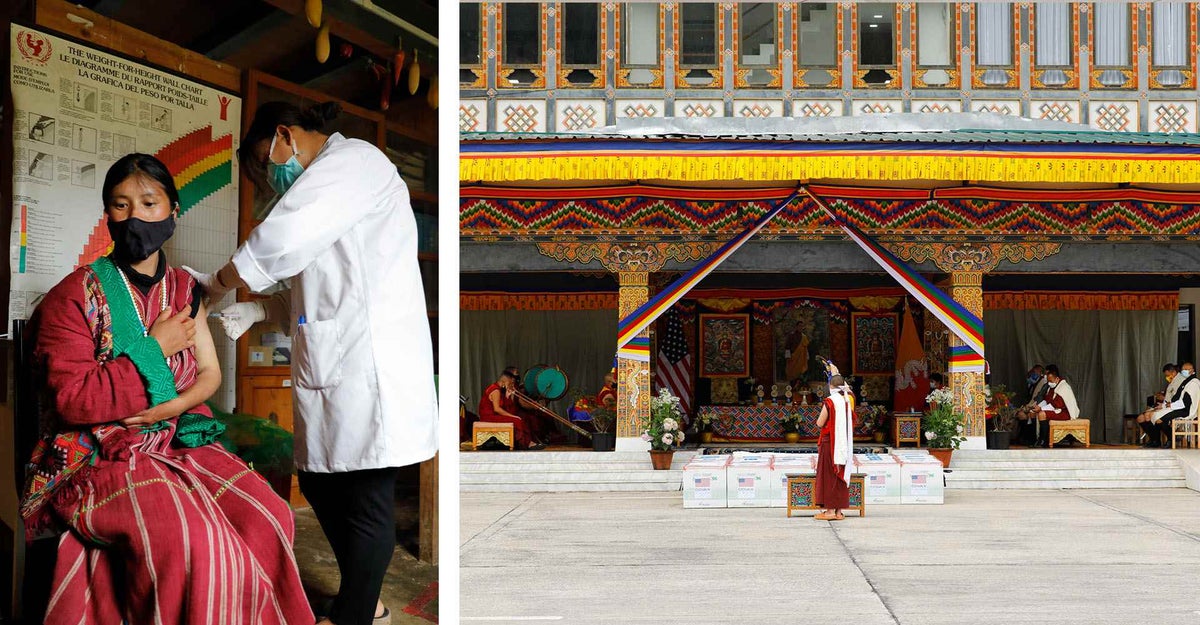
(839, 517)
(824, 516)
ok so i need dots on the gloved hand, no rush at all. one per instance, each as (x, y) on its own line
(237, 318)
(212, 286)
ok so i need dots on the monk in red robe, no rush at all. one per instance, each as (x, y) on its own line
(162, 524)
(499, 405)
(835, 451)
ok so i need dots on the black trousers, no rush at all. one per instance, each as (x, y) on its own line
(356, 510)
(1156, 432)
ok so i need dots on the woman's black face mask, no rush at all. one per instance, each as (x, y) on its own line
(135, 240)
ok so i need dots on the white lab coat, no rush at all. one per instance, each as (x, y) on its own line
(362, 363)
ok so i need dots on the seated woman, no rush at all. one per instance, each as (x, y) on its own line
(162, 525)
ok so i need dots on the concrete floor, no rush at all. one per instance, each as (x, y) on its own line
(408, 583)
(1003, 557)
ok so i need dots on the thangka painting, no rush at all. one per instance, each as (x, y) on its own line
(801, 333)
(725, 346)
(873, 342)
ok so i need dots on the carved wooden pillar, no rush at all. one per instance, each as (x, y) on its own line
(966, 287)
(633, 377)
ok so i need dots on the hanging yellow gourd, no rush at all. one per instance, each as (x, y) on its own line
(323, 44)
(432, 98)
(414, 75)
(312, 11)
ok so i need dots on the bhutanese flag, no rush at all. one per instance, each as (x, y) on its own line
(912, 369)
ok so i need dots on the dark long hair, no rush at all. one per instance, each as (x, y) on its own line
(272, 115)
(145, 165)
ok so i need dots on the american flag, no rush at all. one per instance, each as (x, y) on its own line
(704, 482)
(675, 363)
(745, 482)
(919, 479)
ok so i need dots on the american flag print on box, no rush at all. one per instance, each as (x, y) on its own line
(703, 487)
(920, 484)
(746, 486)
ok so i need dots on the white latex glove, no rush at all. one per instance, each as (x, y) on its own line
(212, 286)
(237, 318)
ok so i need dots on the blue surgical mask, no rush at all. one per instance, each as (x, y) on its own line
(282, 177)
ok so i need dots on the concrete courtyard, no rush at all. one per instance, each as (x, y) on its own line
(1004, 557)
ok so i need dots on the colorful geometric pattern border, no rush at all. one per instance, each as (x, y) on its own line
(537, 301)
(964, 360)
(969, 210)
(1032, 300)
(764, 311)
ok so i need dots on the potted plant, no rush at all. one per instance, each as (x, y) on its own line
(704, 424)
(1001, 416)
(664, 433)
(603, 439)
(872, 420)
(943, 426)
(791, 427)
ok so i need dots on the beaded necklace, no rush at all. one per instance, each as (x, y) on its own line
(162, 290)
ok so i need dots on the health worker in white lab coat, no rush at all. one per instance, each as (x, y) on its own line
(344, 234)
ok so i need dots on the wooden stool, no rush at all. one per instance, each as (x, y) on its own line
(906, 428)
(1081, 429)
(483, 430)
(800, 489)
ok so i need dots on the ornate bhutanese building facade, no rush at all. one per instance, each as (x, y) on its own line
(1004, 215)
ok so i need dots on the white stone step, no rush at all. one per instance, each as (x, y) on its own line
(1059, 474)
(997, 465)
(986, 484)
(569, 488)
(575, 477)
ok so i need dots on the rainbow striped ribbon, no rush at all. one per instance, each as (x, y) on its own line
(964, 360)
(640, 319)
(962, 322)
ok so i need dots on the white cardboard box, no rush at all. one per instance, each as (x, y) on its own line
(921, 479)
(749, 482)
(881, 478)
(802, 464)
(704, 482)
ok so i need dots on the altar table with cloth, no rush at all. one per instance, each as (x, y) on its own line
(761, 423)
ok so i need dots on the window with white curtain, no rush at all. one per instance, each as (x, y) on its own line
(1169, 41)
(1112, 45)
(994, 41)
(935, 41)
(756, 40)
(1052, 41)
(817, 29)
(639, 41)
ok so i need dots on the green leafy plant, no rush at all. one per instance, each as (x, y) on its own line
(664, 433)
(791, 423)
(943, 425)
(999, 403)
(871, 417)
(705, 421)
(603, 418)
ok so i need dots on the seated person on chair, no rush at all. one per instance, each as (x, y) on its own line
(1058, 405)
(160, 523)
(1161, 399)
(1027, 414)
(1183, 404)
(498, 405)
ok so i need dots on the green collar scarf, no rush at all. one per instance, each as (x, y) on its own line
(130, 340)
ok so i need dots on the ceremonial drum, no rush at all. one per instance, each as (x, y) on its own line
(545, 382)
